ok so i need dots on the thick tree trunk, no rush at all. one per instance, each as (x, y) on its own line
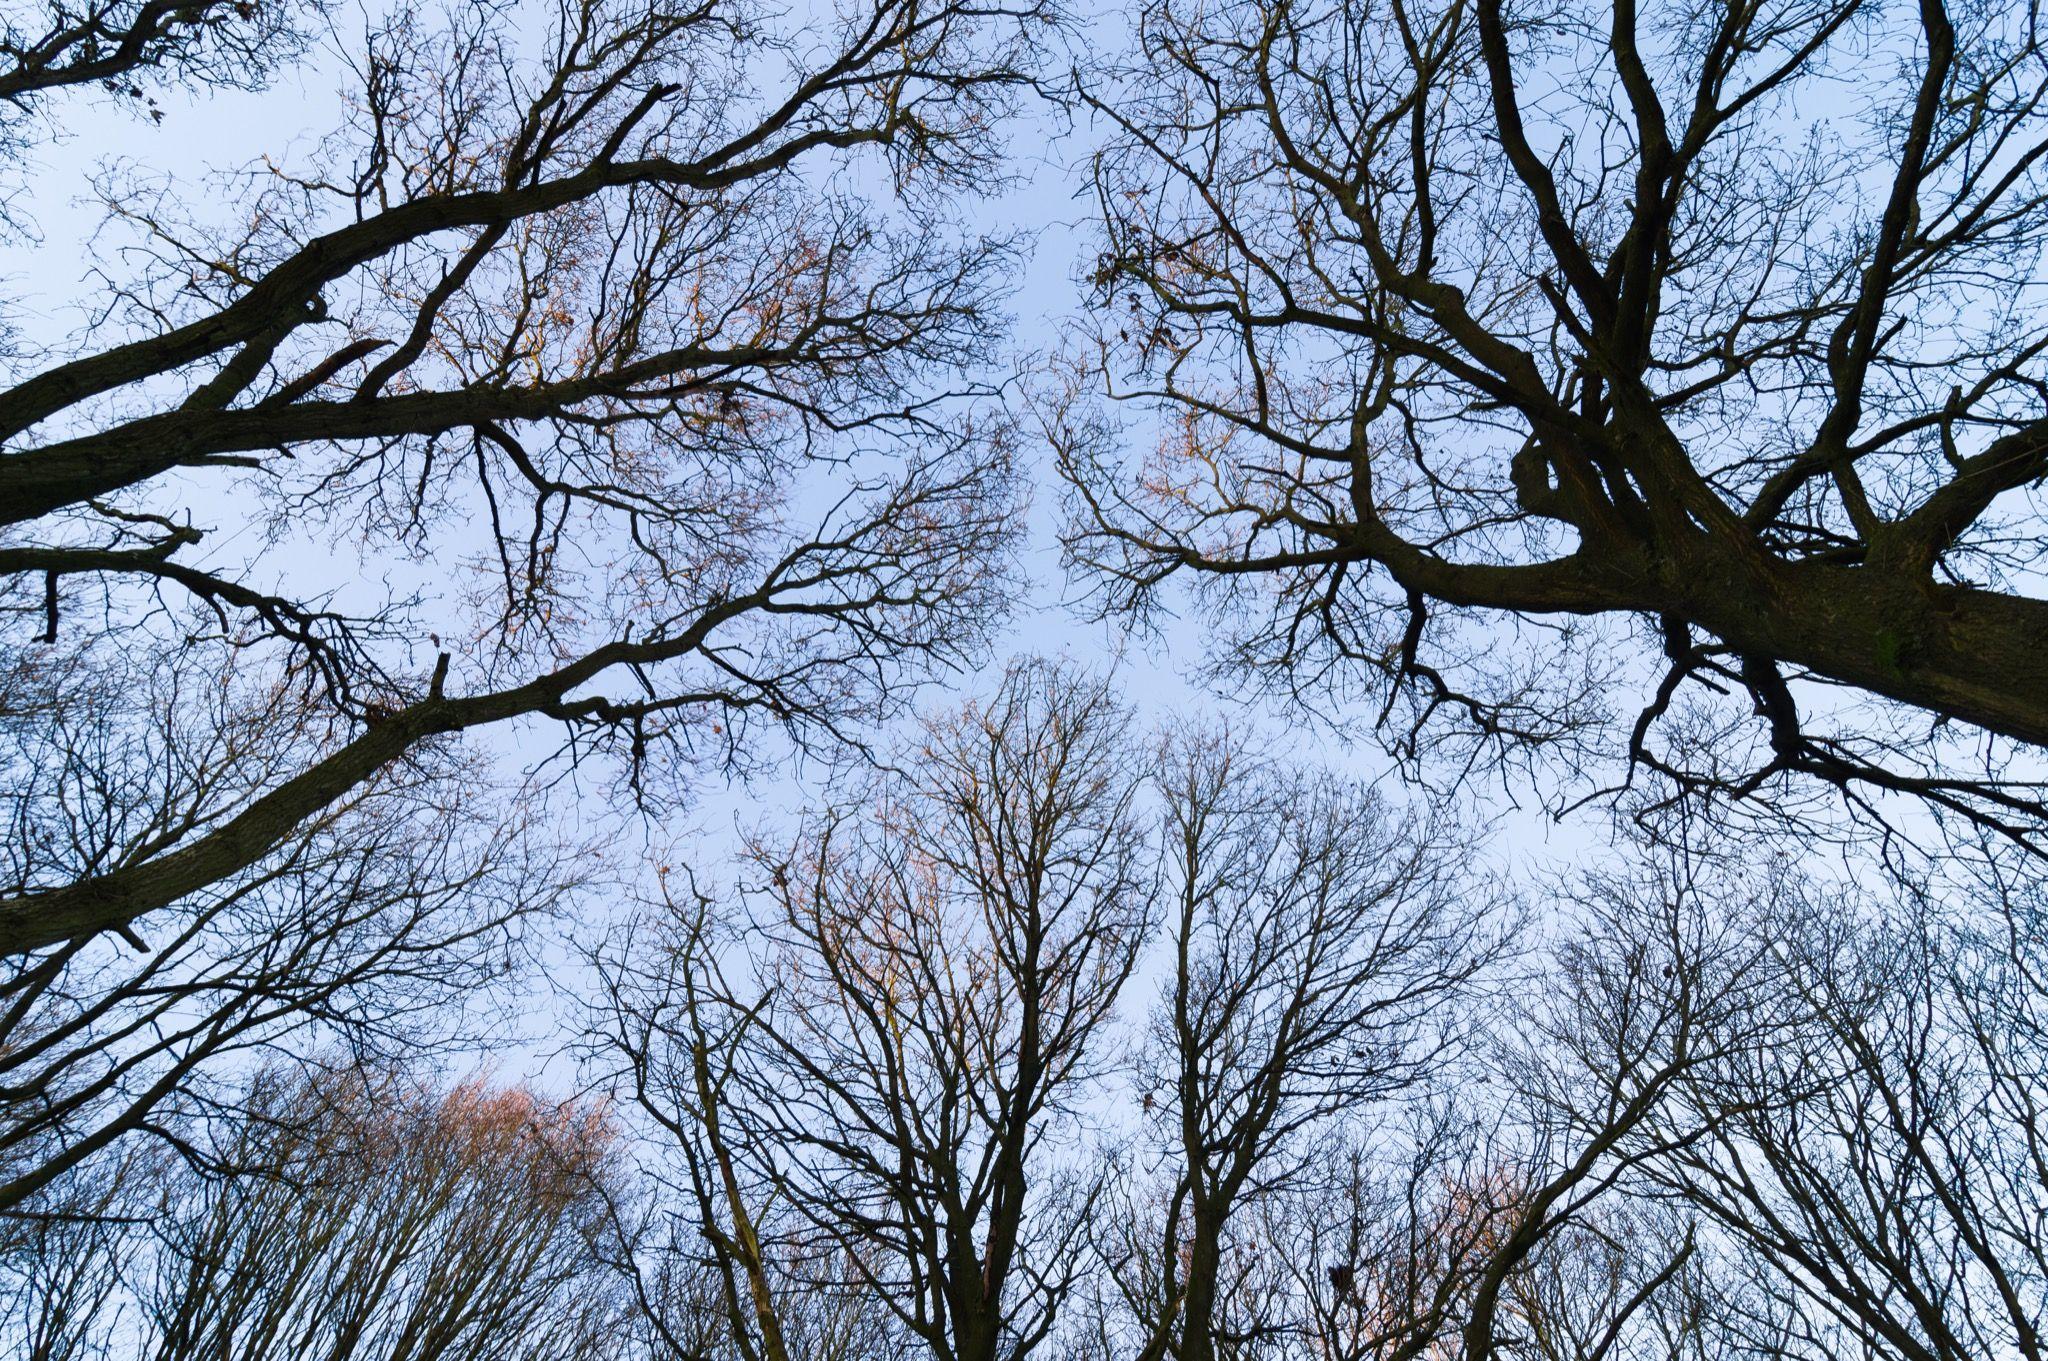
(1961, 652)
(1969, 654)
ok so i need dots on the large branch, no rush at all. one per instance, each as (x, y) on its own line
(98, 46)
(289, 294)
(1959, 651)
(34, 921)
(72, 471)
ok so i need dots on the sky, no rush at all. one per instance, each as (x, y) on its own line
(50, 281)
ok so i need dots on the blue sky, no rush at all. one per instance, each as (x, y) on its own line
(50, 282)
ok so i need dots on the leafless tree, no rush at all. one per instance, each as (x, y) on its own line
(1509, 357)
(1759, 1115)
(707, 1253)
(128, 50)
(1368, 1121)
(1555, 1235)
(567, 383)
(60, 1266)
(371, 1217)
(1716, 1113)
(593, 298)
(890, 1105)
(1880, 1158)
(351, 1213)
(1319, 944)
(364, 928)
(1357, 1264)
(1691, 1104)
(1514, 1194)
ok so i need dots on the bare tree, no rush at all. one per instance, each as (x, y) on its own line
(128, 50)
(122, 40)
(1739, 1113)
(1509, 356)
(61, 1265)
(369, 1217)
(370, 927)
(1356, 1264)
(1320, 944)
(593, 300)
(1880, 1160)
(709, 1253)
(1693, 1105)
(1376, 1132)
(565, 383)
(893, 1107)
(351, 1213)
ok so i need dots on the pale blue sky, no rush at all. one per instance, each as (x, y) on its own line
(48, 283)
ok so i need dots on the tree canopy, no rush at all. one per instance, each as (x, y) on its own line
(1634, 404)
(1525, 356)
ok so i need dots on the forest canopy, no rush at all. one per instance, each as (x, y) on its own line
(578, 423)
